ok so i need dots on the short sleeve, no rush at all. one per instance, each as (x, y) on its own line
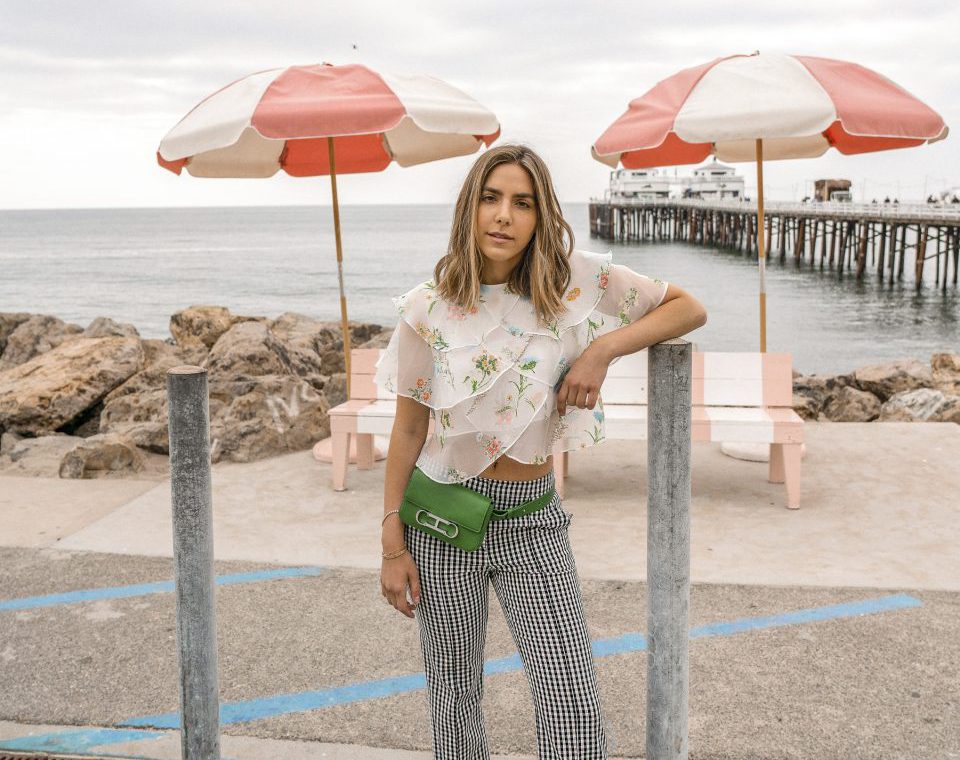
(629, 295)
(405, 366)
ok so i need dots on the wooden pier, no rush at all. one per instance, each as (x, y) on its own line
(844, 237)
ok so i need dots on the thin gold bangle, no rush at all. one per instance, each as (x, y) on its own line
(392, 511)
(393, 554)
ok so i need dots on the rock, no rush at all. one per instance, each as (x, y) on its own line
(103, 327)
(86, 423)
(201, 325)
(10, 321)
(946, 372)
(806, 407)
(336, 389)
(886, 380)
(35, 336)
(251, 349)
(949, 412)
(140, 417)
(8, 441)
(920, 405)
(137, 409)
(850, 404)
(380, 340)
(159, 358)
(54, 388)
(37, 456)
(819, 389)
(101, 453)
(259, 417)
(330, 345)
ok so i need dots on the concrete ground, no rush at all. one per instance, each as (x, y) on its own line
(829, 631)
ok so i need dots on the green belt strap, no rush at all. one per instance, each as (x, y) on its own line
(526, 508)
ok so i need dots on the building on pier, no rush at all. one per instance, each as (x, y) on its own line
(638, 185)
(713, 181)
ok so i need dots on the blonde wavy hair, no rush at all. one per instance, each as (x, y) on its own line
(544, 271)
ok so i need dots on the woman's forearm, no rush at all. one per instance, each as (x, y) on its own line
(401, 459)
(669, 320)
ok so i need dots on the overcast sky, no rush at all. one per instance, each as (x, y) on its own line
(88, 89)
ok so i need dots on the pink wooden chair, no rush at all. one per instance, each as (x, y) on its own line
(365, 414)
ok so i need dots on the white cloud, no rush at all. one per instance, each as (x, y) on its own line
(88, 90)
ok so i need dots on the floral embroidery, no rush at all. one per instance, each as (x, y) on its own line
(487, 364)
(563, 367)
(539, 459)
(511, 405)
(441, 367)
(529, 363)
(433, 336)
(455, 475)
(592, 328)
(459, 313)
(628, 301)
(603, 277)
(444, 419)
(431, 297)
(573, 294)
(476, 402)
(421, 391)
(514, 330)
(492, 446)
(560, 429)
(597, 434)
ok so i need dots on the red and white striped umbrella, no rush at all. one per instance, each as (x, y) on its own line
(324, 119)
(774, 106)
(799, 106)
(282, 118)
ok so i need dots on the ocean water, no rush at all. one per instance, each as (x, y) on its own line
(142, 265)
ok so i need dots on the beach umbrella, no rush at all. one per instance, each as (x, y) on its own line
(766, 106)
(323, 119)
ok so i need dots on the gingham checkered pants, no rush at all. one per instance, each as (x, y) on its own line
(530, 564)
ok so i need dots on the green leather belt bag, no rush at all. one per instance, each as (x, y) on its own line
(454, 513)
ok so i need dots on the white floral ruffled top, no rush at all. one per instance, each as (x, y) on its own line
(490, 374)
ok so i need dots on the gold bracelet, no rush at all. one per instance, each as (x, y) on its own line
(392, 511)
(393, 554)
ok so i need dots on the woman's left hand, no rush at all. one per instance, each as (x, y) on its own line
(581, 386)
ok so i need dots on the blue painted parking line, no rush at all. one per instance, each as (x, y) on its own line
(143, 589)
(282, 704)
(245, 711)
(813, 615)
(76, 742)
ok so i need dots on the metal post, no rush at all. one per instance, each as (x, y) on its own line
(668, 548)
(190, 484)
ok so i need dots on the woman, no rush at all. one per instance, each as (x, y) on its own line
(508, 346)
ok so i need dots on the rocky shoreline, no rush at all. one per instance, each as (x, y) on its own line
(91, 402)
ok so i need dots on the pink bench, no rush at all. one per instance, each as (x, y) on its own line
(737, 397)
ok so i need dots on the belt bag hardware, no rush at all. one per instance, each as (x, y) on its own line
(454, 513)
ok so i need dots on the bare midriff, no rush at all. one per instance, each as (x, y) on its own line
(505, 468)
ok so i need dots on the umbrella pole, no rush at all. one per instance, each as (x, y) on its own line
(761, 250)
(343, 300)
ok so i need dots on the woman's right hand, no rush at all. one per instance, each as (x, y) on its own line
(395, 575)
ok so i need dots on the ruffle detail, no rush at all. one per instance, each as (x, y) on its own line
(490, 374)
(472, 350)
